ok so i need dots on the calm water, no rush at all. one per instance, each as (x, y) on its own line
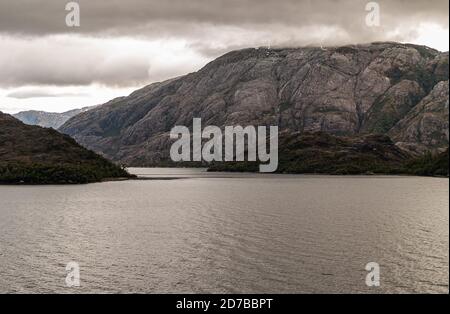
(191, 231)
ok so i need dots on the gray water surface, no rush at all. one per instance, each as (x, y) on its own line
(235, 233)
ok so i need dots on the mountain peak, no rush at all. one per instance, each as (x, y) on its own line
(348, 90)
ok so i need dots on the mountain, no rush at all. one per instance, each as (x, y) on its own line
(398, 90)
(47, 119)
(36, 155)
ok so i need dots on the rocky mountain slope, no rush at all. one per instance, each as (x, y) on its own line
(35, 155)
(47, 119)
(394, 89)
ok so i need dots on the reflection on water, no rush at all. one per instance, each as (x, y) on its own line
(236, 233)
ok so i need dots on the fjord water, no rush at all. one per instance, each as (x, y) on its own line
(191, 231)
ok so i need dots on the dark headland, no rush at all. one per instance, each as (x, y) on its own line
(36, 155)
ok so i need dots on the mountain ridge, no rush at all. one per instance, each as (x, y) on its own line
(343, 91)
(47, 119)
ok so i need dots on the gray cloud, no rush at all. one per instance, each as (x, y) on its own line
(39, 93)
(48, 16)
(69, 61)
(39, 49)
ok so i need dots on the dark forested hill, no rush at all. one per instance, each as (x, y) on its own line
(36, 155)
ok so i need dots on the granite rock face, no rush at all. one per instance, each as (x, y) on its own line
(381, 88)
(426, 125)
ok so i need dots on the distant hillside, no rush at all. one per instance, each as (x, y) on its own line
(393, 89)
(324, 153)
(47, 119)
(36, 155)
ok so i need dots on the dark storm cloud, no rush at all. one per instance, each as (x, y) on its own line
(48, 16)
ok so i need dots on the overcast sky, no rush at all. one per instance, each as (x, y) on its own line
(123, 45)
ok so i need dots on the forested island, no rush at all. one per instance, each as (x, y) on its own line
(36, 155)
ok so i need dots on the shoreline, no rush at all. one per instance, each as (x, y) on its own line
(219, 175)
(66, 183)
